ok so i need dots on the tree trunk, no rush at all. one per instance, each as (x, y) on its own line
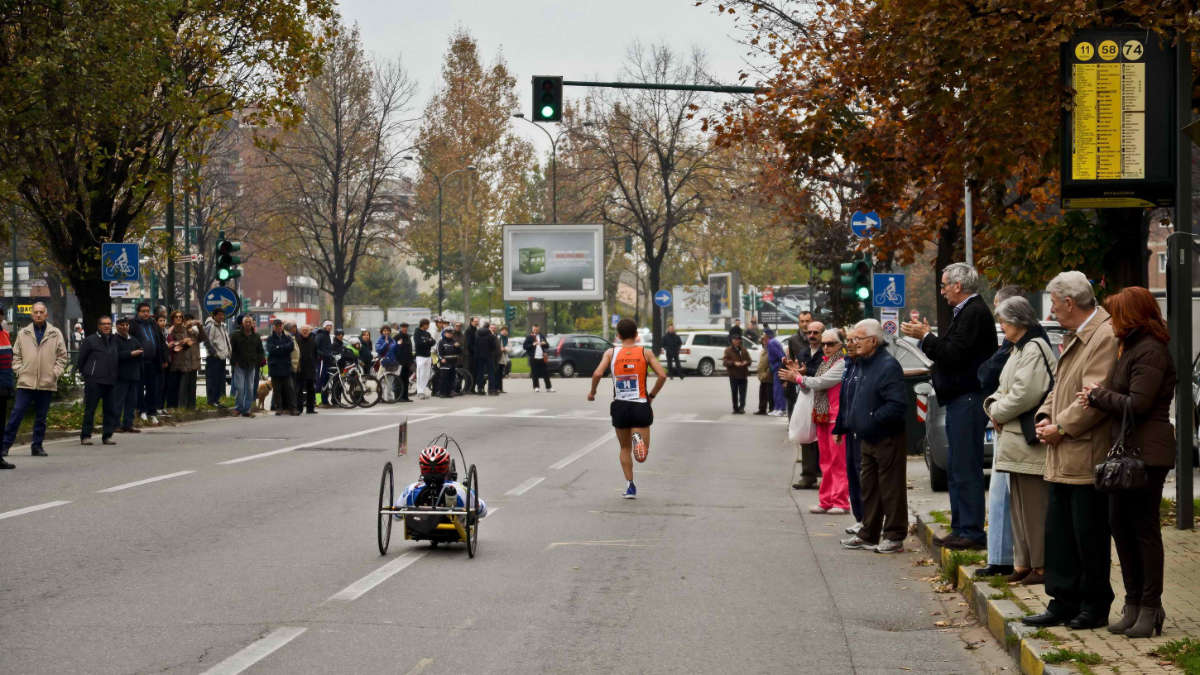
(58, 298)
(339, 305)
(947, 252)
(1125, 263)
(94, 301)
(466, 289)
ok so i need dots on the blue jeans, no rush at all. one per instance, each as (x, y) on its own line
(965, 423)
(853, 475)
(999, 530)
(246, 382)
(40, 400)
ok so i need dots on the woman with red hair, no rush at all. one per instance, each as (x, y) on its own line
(1142, 381)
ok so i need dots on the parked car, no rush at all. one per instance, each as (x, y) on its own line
(575, 354)
(703, 350)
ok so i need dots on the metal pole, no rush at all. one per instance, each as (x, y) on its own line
(554, 180)
(170, 215)
(12, 311)
(187, 243)
(441, 294)
(969, 212)
(1180, 294)
(720, 89)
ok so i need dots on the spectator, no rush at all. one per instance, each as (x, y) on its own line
(853, 448)
(7, 382)
(1021, 388)
(486, 351)
(775, 361)
(279, 367)
(1077, 533)
(876, 419)
(78, 336)
(968, 343)
(289, 329)
(736, 329)
(246, 355)
(176, 334)
(153, 354)
(325, 360)
(753, 335)
(164, 367)
(737, 365)
(402, 354)
(502, 369)
(467, 343)
(449, 354)
(306, 378)
(187, 359)
(493, 365)
(366, 355)
(1142, 382)
(39, 359)
(216, 340)
(537, 350)
(97, 363)
(129, 377)
(826, 385)
(804, 349)
(672, 343)
(765, 386)
(423, 344)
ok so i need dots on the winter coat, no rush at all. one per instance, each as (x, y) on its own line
(957, 355)
(470, 334)
(324, 346)
(449, 354)
(733, 355)
(129, 367)
(39, 365)
(402, 352)
(1087, 357)
(1144, 377)
(279, 354)
(246, 350)
(216, 339)
(97, 360)
(989, 372)
(880, 399)
(186, 359)
(487, 347)
(1023, 381)
(307, 347)
(148, 335)
(423, 343)
(673, 343)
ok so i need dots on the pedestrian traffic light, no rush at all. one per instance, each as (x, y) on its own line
(226, 262)
(547, 98)
(510, 313)
(856, 279)
(628, 244)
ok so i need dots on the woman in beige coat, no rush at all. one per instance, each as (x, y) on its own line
(1024, 381)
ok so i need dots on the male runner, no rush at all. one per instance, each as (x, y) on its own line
(630, 409)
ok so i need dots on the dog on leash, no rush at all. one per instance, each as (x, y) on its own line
(264, 388)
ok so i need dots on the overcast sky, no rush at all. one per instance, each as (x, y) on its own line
(579, 39)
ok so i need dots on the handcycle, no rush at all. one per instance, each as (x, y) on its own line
(435, 516)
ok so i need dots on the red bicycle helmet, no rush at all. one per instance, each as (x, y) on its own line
(434, 460)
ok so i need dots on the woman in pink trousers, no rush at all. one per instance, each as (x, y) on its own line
(826, 387)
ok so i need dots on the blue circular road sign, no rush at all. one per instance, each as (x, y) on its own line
(663, 298)
(220, 298)
(865, 224)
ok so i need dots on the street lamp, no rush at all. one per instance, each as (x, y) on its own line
(436, 177)
(554, 139)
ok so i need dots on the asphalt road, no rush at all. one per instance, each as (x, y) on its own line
(239, 544)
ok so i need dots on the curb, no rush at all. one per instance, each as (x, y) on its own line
(1001, 616)
(25, 437)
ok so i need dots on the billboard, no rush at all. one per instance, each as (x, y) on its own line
(553, 262)
(721, 293)
(787, 302)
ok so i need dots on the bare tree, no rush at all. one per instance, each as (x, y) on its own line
(333, 172)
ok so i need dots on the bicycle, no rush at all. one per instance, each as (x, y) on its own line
(336, 392)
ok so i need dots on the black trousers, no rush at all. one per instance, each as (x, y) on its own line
(446, 381)
(737, 389)
(1077, 550)
(102, 394)
(125, 402)
(537, 369)
(283, 394)
(766, 397)
(306, 393)
(674, 368)
(789, 392)
(1133, 517)
(884, 489)
(402, 381)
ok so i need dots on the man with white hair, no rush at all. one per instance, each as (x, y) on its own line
(39, 359)
(875, 417)
(957, 355)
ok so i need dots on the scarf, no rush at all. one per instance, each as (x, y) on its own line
(821, 396)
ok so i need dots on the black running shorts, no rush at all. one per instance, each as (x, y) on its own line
(631, 414)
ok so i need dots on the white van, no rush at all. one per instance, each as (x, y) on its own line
(703, 350)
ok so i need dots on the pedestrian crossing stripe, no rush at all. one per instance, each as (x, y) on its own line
(527, 412)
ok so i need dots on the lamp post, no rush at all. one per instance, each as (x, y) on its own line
(554, 139)
(438, 179)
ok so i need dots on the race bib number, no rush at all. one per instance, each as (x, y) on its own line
(627, 388)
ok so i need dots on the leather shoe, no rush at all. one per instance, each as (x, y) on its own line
(957, 543)
(107, 441)
(86, 441)
(1046, 619)
(6, 465)
(805, 485)
(993, 570)
(1087, 620)
(38, 452)
(130, 430)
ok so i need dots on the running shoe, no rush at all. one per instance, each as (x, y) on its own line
(630, 491)
(836, 511)
(890, 546)
(853, 529)
(817, 508)
(639, 448)
(857, 542)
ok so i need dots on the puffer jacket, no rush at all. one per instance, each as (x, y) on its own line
(1144, 377)
(1087, 357)
(38, 366)
(1023, 380)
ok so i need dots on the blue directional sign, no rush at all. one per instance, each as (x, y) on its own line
(119, 262)
(888, 290)
(221, 298)
(663, 298)
(863, 225)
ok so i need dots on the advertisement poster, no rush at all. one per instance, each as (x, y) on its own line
(787, 302)
(553, 262)
(720, 295)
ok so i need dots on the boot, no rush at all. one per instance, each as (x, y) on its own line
(1129, 616)
(1149, 621)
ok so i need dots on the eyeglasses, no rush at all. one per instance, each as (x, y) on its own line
(830, 344)
(812, 332)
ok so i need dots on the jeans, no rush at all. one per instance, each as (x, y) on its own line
(246, 380)
(965, 423)
(40, 400)
(853, 478)
(94, 394)
(125, 401)
(214, 379)
(999, 524)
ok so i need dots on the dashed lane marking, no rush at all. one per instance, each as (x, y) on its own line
(136, 483)
(525, 487)
(527, 412)
(31, 509)
(256, 651)
(565, 461)
(359, 588)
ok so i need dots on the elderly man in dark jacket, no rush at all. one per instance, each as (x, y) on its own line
(485, 346)
(957, 355)
(98, 365)
(875, 418)
(306, 379)
(129, 376)
(672, 343)
(279, 367)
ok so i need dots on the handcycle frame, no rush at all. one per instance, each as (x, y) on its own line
(452, 524)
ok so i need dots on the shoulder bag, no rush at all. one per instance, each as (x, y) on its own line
(1124, 468)
(1028, 427)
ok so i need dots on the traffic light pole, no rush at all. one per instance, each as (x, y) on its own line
(1180, 256)
(715, 88)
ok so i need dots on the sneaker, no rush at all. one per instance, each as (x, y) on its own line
(145, 418)
(154, 419)
(777, 413)
(889, 546)
(639, 448)
(536, 390)
(6, 465)
(853, 529)
(817, 508)
(630, 491)
(549, 390)
(857, 542)
(836, 511)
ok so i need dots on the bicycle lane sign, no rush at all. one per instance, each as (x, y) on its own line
(888, 290)
(119, 262)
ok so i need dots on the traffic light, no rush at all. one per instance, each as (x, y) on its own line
(510, 313)
(226, 261)
(855, 280)
(547, 98)
(628, 244)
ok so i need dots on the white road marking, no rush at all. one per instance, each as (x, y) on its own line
(126, 486)
(256, 651)
(683, 417)
(527, 412)
(290, 448)
(525, 487)
(565, 461)
(621, 543)
(421, 665)
(31, 509)
(469, 411)
(359, 588)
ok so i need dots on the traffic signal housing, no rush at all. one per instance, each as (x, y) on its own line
(510, 313)
(855, 280)
(547, 98)
(226, 262)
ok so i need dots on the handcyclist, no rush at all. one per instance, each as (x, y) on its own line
(436, 487)
(630, 409)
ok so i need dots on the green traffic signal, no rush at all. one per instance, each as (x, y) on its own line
(547, 112)
(863, 293)
(547, 98)
(225, 262)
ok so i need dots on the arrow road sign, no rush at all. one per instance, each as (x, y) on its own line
(663, 298)
(220, 298)
(863, 225)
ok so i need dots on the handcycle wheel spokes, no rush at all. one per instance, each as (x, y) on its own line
(471, 520)
(383, 523)
(370, 392)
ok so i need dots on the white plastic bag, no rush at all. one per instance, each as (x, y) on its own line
(801, 428)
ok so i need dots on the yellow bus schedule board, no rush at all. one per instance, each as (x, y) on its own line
(1119, 149)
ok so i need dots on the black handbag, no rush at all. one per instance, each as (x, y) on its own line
(1028, 423)
(1124, 468)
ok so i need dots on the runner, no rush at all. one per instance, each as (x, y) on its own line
(630, 409)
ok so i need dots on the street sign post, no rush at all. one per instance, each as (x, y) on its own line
(888, 290)
(220, 298)
(863, 225)
(119, 262)
(663, 298)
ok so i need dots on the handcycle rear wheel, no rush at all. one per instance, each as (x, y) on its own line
(383, 524)
(471, 520)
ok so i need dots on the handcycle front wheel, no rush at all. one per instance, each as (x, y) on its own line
(471, 520)
(383, 523)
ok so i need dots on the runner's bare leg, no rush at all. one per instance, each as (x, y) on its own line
(625, 439)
